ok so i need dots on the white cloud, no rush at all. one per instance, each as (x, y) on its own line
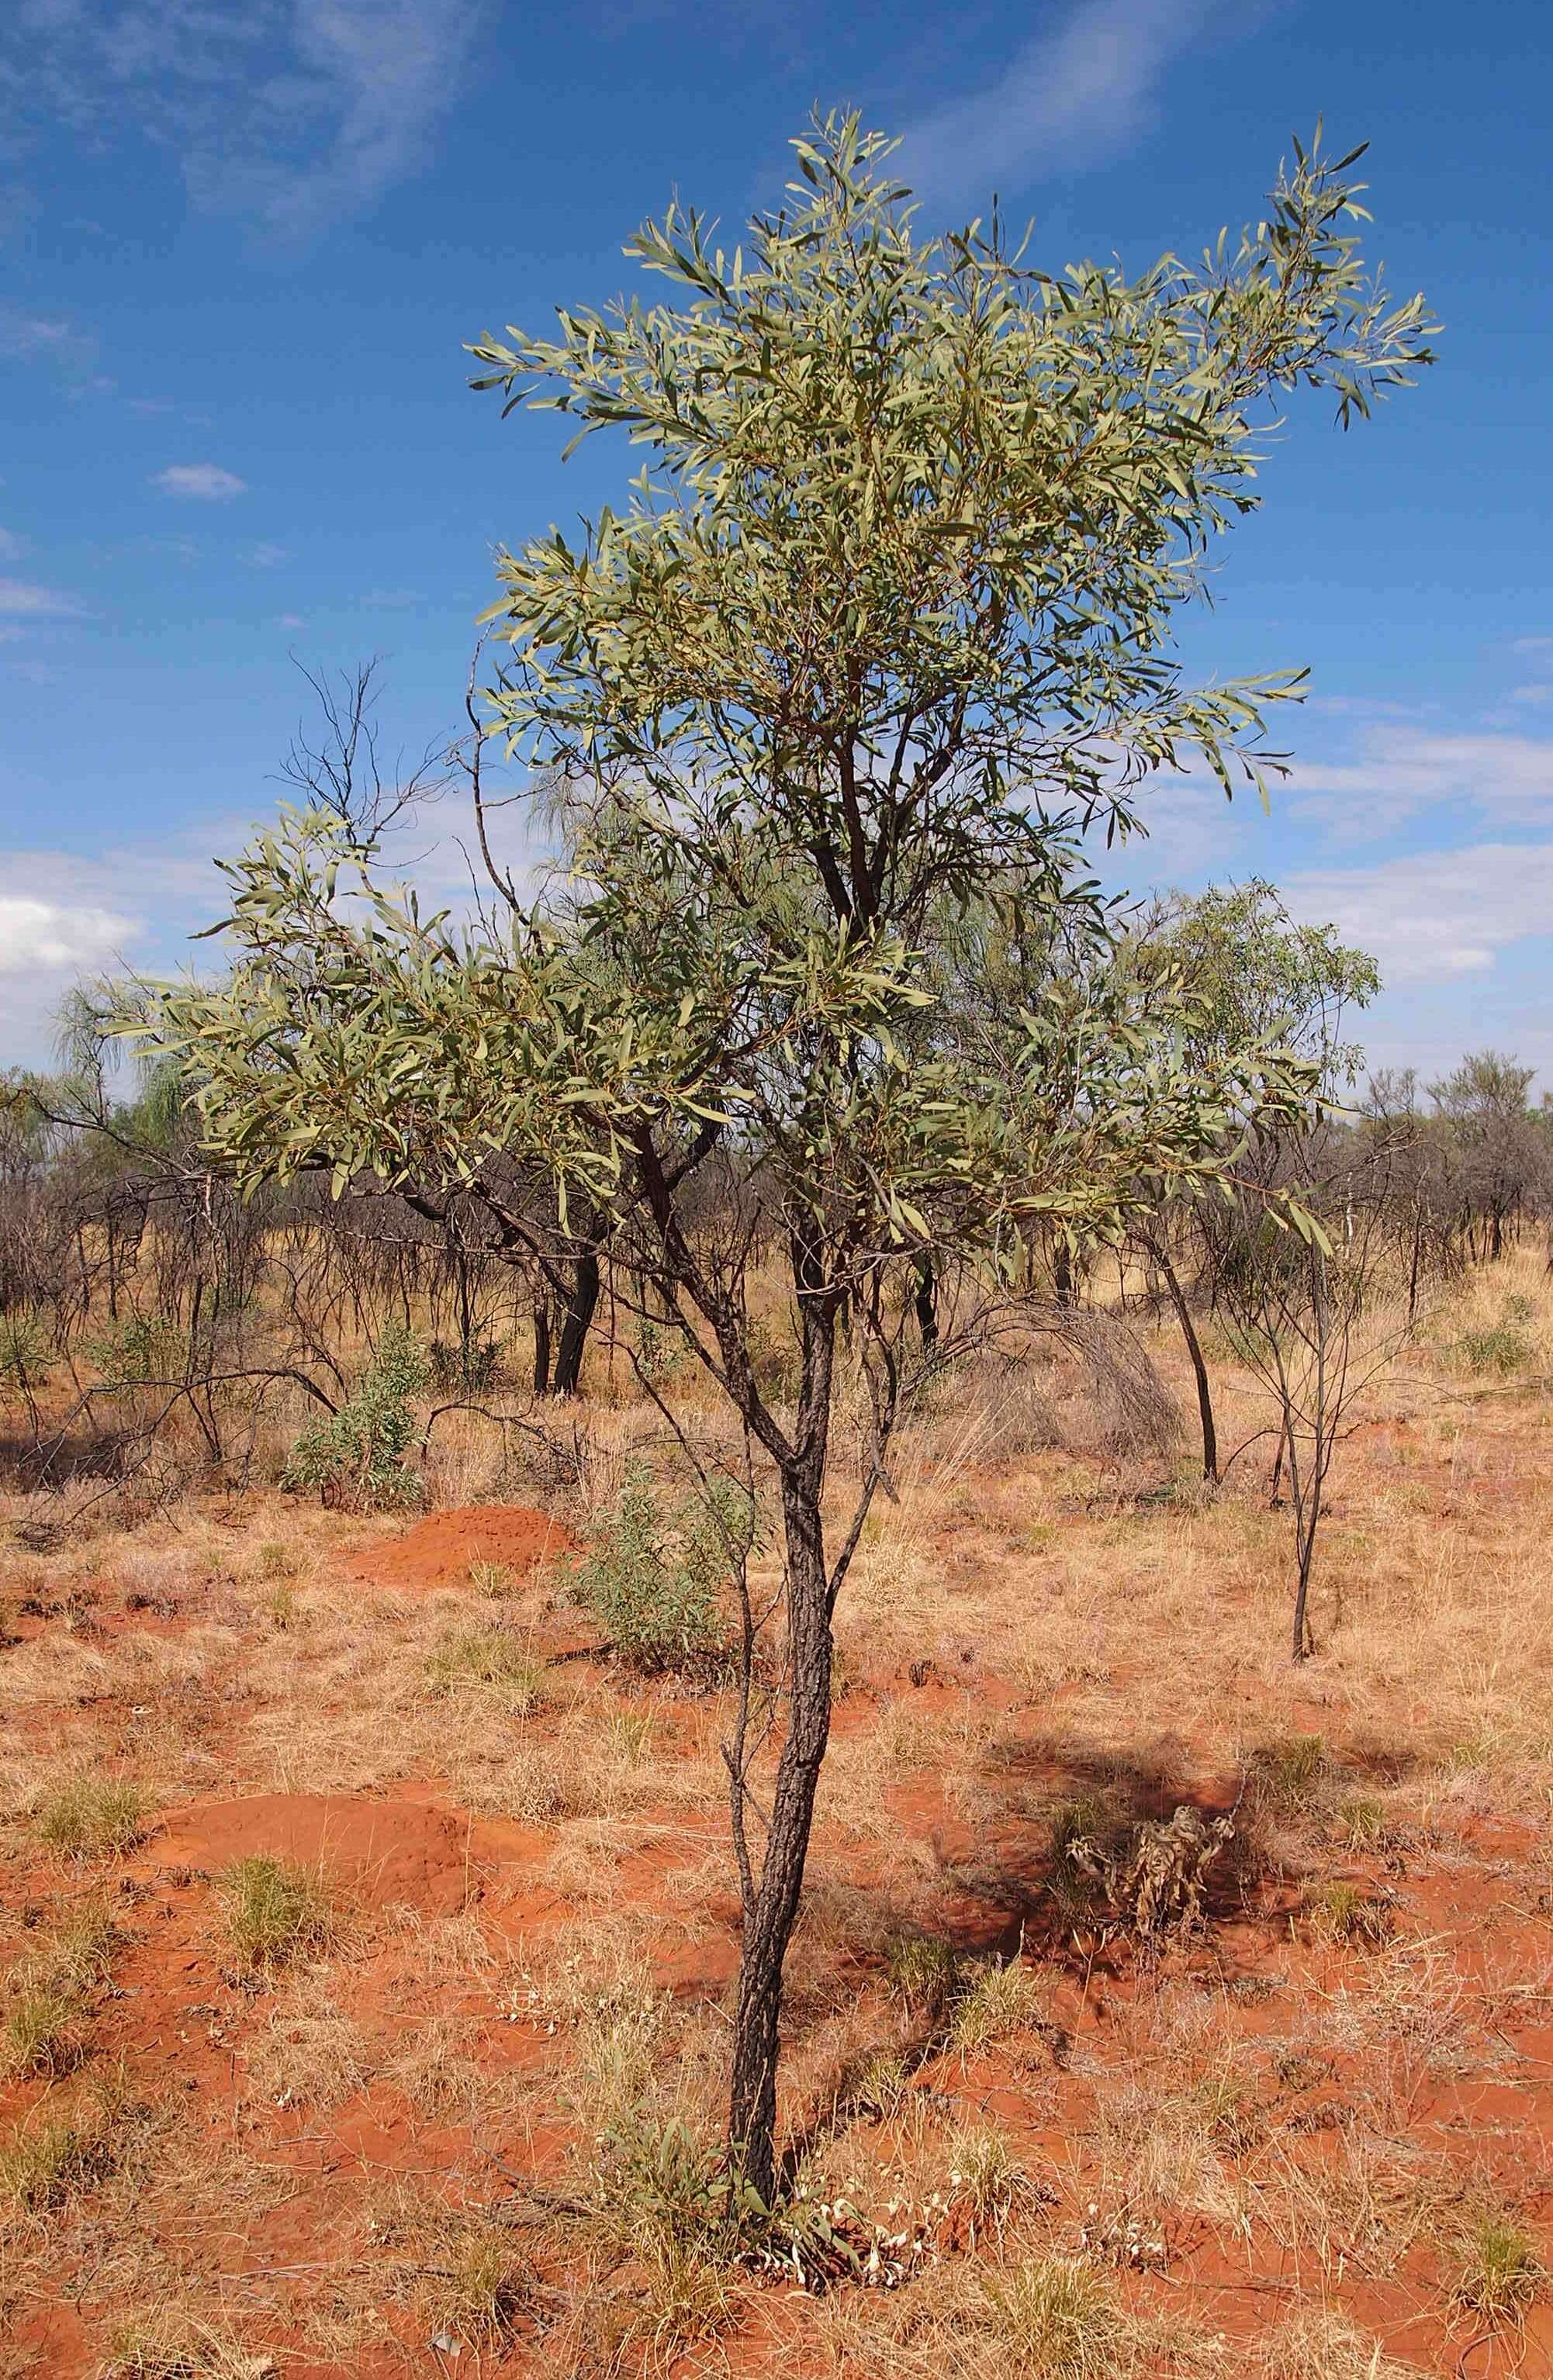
(1436, 915)
(1400, 772)
(29, 336)
(1532, 645)
(23, 601)
(11, 546)
(1073, 94)
(1533, 695)
(265, 556)
(53, 934)
(207, 482)
(293, 113)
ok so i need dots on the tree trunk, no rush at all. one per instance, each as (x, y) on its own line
(768, 1925)
(926, 1303)
(1195, 1349)
(1062, 1273)
(575, 1322)
(542, 1348)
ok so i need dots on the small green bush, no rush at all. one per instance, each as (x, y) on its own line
(1287, 1775)
(1499, 1348)
(656, 1581)
(140, 1347)
(358, 1457)
(26, 1359)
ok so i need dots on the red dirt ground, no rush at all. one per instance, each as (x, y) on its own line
(439, 1550)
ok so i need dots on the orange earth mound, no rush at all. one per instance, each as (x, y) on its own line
(389, 1854)
(439, 1550)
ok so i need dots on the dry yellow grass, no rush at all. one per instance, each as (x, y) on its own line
(1295, 2106)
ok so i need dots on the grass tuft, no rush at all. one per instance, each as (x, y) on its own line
(493, 1579)
(91, 1817)
(274, 1910)
(1497, 2275)
(1055, 2320)
(493, 1658)
(57, 2155)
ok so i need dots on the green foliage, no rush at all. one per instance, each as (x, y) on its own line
(1502, 1347)
(924, 1974)
(962, 500)
(657, 1582)
(140, 1347)
(1499, 2273)
(357, 1455)
(26, 1357)
(273, 1909)
(1258, 975)
(469, 1366)
(1346, 1911)
(1289, 1774)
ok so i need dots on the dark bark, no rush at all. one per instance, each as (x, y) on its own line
(542, 1348)
(1063, 1274)
(576, 1321)
(1200, 1369)
(927, 1301)
(769, 1922)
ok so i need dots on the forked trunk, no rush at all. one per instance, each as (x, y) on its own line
(769, 1923)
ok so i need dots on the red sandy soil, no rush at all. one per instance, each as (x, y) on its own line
(439, 1550)
(383, 1855)
(1470, 1890)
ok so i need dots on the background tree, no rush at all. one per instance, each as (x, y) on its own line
(884, 621)
(1255, 977)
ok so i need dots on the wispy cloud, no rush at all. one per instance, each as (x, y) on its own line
(1072, 96)
(20, 600)
(206, 482)
(30, 335)
(1435, 916)
(295, 114)
(264, 555)
(1397, 772)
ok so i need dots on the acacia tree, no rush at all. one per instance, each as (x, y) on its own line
(883, 623)
(1256, 977)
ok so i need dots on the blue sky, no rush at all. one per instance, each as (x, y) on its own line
(240, 247)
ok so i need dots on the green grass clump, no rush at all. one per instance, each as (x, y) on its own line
(1288, 1774)
(492, 1578)
(274, 1910)
(47, 2016)
(1055, 2320)
(492, 1658)
(997, 2001)
(1365, 1822)
(923, 1973)
(58, 2154)
(1497, 2275)
(91, 1817)
(1347, 1913)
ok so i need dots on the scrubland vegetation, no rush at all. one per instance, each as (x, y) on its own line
(788, 1607)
